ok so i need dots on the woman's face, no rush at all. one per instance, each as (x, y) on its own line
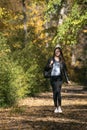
(57, 52)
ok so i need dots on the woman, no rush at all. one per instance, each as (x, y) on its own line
(58, 72)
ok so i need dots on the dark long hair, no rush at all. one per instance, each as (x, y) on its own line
(61, 57)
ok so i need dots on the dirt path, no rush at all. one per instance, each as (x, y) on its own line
(37, 113)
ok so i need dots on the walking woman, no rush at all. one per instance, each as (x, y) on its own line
(57, 74)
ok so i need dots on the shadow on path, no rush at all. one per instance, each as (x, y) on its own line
(37, 113)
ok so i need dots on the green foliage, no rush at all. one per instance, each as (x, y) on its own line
(53, 7)
(13, 84)
(75, 19)
(22, 65)
(33, 61)
(67, 33)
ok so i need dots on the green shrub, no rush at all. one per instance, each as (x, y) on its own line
(32, 60)
(13, 85)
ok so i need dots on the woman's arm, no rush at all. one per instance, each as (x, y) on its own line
(49, 64)
(66, 73)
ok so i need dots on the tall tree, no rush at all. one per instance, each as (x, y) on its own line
(25, 21)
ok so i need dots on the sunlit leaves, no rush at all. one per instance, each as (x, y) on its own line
(67, 33)
(52, 8)
(35, 20)
(1, 12)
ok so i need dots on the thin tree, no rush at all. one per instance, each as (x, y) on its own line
(24, 21)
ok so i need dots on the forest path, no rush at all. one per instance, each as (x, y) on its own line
(38, 113)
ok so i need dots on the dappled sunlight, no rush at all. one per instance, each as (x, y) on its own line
(41, 100)
(38, 112)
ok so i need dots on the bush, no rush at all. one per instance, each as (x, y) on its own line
(32, 60)
(13, 85)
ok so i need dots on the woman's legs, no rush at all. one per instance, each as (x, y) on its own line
(59, 100)
(59, 93)
(55, 98)
(56, 86)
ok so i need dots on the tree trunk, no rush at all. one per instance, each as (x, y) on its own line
(24, 21)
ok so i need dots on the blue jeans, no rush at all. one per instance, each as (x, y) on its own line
(56, 83)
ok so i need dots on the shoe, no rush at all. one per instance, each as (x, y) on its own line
(59, 110)
(56, 110)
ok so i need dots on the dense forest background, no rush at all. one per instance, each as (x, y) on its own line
(29, 31)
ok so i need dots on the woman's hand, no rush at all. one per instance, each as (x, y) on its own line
(51, 62)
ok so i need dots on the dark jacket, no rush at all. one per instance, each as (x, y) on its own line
(63, 69)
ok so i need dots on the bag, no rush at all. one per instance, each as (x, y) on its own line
(47, 70)
(47, 73)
